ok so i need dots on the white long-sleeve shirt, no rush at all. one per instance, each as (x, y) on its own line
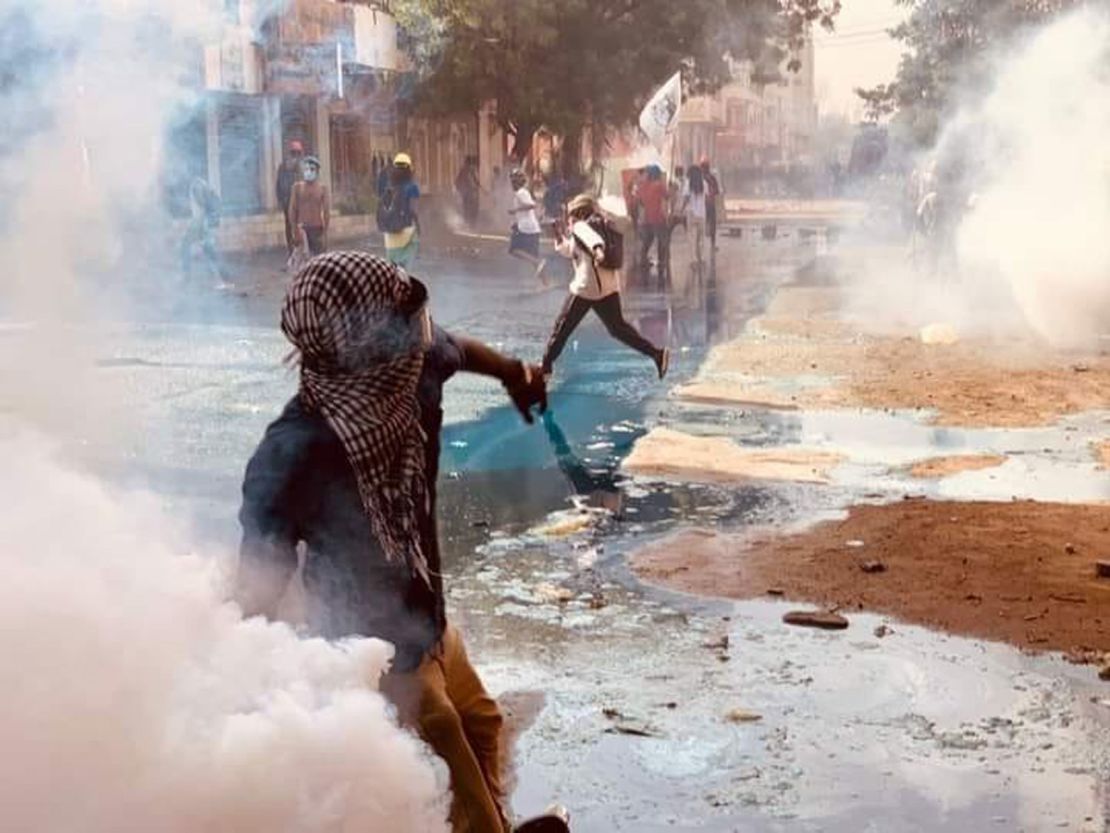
(590, 281)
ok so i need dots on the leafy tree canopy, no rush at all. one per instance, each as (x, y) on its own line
(949, 46)
(568, 63)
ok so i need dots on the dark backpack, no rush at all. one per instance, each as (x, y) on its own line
(614, 242)
(394, 213)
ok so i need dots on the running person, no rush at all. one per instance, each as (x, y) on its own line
(524, 237)
(593, 287)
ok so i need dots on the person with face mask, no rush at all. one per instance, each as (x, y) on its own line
(349, 471)
(310, 208)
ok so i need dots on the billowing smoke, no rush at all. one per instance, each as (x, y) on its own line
(1011, 240)
(1041, 216)
(134, 699)
(134, 696)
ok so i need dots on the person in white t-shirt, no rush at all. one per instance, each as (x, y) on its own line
(593, 287)
(524, 237)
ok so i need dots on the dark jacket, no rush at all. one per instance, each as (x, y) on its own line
(299, 487)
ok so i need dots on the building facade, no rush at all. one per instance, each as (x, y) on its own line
(325, 73)
(760, 136)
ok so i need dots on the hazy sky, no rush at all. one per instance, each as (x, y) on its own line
(858, 54)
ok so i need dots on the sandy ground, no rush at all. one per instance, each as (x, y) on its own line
(1019, 572)
(946, 466)
(1102, 453)
(800, 356)
(669, 453)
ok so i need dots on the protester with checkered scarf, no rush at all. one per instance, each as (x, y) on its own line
(349, 469)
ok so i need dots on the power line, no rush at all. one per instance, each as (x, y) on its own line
(863, 33)
(843, 44)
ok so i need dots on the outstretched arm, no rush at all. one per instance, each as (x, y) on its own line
(523, 382)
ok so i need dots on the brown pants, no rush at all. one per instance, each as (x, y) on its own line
(446, 703)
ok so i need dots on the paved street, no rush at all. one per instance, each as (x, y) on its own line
(623, 693)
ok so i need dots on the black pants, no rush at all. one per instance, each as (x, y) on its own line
(711, 219)
(608, 309)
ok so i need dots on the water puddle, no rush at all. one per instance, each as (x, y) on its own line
(1053, 463)
(926, 732)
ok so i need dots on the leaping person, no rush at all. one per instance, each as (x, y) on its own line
(595, 285)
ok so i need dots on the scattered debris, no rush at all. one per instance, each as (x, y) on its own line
(883, 630)
(873, 567)
(1070, 598)
(1087, 656)
(825, 620)
(546, 592)
(1104, 672)
(855, 543)
(1102, 569)
(1081, 368)
(598, 601)
(720, 643)
(1069, 548)
(625, 725)
(775, 591)
(742, 716)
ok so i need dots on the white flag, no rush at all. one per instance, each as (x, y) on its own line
(660, 115)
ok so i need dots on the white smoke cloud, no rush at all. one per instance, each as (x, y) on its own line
(135, 699)
(134, 696)
(1042, 218)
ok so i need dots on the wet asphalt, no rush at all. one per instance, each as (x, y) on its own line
(660, 711)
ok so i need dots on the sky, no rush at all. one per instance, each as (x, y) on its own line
(858, 54)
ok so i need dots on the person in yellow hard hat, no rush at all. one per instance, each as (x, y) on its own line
(397, 217)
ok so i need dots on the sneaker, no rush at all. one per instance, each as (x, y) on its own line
(539, 271)
(663, 361)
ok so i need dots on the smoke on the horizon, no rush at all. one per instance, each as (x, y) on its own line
(1041, 214)
(1025, 168)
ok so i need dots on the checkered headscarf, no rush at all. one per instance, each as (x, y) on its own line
(345, 312)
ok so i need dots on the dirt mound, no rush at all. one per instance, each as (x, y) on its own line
(1102, 453)
(819, 362)
(1020, 572)
(936, 467)
(669, 453)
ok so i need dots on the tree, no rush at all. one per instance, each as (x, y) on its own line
(949, 48)
(569, 64)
